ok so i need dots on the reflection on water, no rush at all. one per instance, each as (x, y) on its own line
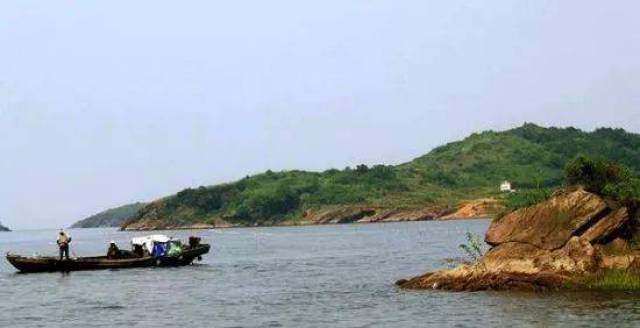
(335, 276)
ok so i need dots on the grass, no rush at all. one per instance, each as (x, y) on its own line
(615, 280)
(526, 198)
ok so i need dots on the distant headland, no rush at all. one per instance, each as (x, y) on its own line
(113, 217)
(462, 179)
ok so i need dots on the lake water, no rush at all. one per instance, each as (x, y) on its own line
(314, 276)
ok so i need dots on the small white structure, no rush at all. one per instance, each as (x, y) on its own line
(506, 187)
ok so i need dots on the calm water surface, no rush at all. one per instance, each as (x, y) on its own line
(317, 276)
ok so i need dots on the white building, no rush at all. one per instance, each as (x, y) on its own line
(506, 187)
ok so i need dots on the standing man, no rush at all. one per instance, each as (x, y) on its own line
(63, 244)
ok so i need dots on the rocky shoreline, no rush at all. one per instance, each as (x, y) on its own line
(475, 209)
(564, 242)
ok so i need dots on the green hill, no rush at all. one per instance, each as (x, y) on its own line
(529, 156)
(114, 217)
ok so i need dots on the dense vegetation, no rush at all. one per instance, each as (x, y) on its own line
(533, 158)
(114, 217)
(607, 178)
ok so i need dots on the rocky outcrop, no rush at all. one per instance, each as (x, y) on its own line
(478, 208)
(146, 225)
(338, 215)
(556, 243)
(548, 225)
(3, 228)
(371, 215)
(149, 218)
(399, 215)
(474, 279)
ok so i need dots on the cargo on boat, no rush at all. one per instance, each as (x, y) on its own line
(148, 251)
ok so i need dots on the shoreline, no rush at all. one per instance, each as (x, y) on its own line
(289, 224)
(483, 208)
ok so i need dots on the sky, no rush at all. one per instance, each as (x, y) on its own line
(104, 103)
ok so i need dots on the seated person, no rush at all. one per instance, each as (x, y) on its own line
(138, 250)
(113, 252)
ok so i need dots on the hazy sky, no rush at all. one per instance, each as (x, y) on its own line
(103, 103)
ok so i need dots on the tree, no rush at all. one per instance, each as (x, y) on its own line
(606, 178)
(362, 169)
(595, 175)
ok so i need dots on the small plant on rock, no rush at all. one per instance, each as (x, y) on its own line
(473, 248)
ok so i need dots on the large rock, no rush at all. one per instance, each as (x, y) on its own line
(560, 242)
(550, 224)
(576, 256)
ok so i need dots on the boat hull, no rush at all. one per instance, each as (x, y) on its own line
(30, 264)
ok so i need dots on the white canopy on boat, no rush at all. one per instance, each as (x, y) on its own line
(147, 241)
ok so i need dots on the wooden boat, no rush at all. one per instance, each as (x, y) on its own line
(29, 264)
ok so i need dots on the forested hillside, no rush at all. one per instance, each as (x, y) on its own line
(529, 156)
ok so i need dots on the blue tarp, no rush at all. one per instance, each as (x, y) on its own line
(159, 249)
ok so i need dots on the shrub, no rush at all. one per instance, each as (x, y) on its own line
(263, 204)
(362, 169)
(606, 178)
(473, 249)
(627, 192)
(205, 199)
(595, 175)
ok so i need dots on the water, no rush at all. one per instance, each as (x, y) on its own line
(316, 276)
